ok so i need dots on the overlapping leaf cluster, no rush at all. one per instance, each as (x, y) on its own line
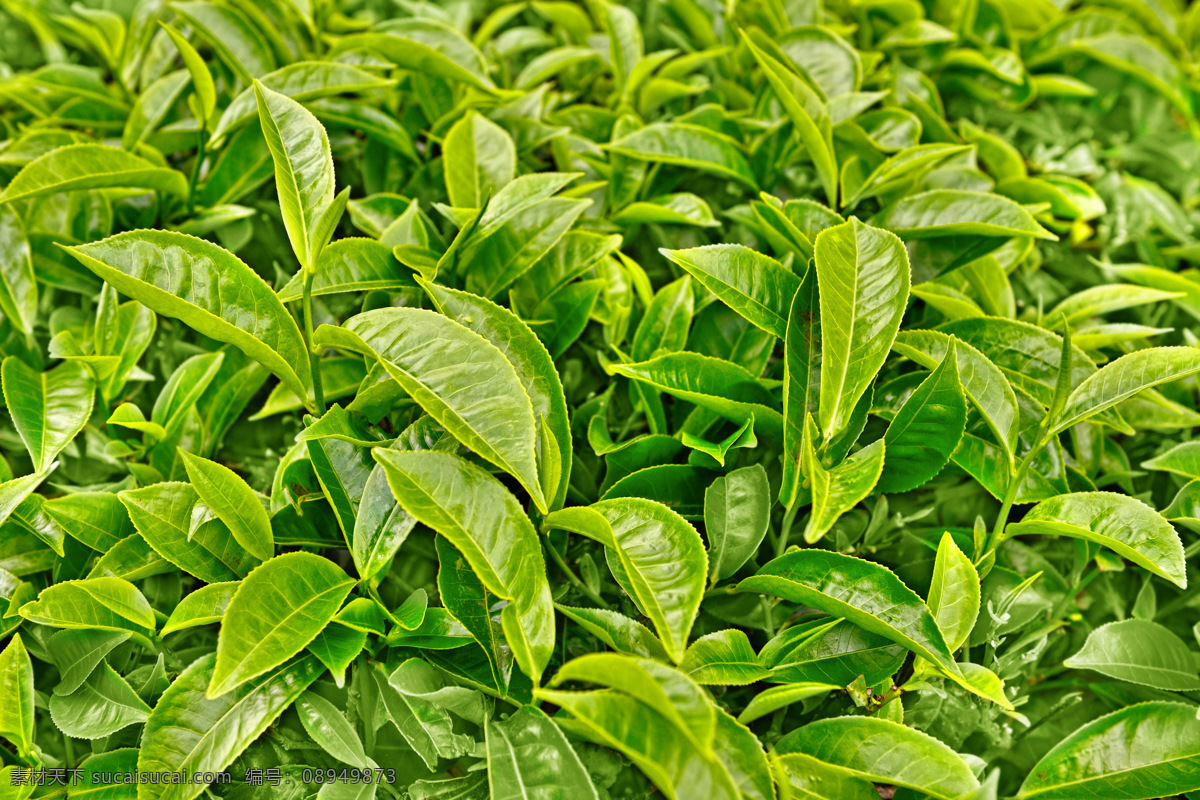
(763, 399)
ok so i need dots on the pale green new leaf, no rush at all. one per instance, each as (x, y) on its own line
(536, 371)
(953, 212)
(954, 597)
(479, 158)
(278, 609)
(668, 691)
(479, 399)
(91, 166)
(651, 741)
(234, 503)
(483, 520)
(737, 511)
(884, 752)
(808, 114)
(104, 704)
(863, 276)
(756, 286)
(202, 80)
(778, 697)
(722, 387)
(77, 652)
(1124, 378)
(18, 284)
(171, 518)
(203, 606)
(723, 658)
(303, 170)
(101, 603)
(835, 491)
(209, 289)
(685, 145)
(49, 408)
(809, 779)
(655, 555)
(16, 695)
(353, 264)
(329, 728)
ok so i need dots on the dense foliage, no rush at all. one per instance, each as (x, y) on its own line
(587, 400)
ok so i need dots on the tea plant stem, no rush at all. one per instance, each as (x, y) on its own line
(195, 177)
(574, 579)
(629, 422)
(1010, 497)
(314, 358)
(785, 529)
(766, 610)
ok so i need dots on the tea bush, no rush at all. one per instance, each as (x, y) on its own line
(695, 399)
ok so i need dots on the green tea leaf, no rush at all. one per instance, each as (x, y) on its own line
(1123, 524)
(189, 731)
(528, 755)
(234, 503)
(951, 212)
(534, 368)
(351, 265)
(863, 275)
(202, 80)
(203, 606)
(1146, 745)
(173, 520)
(277, 610)
(724, 658)
(1124, 378)
(16, 690)
(736, 516)
(835, 584)
(303, 171)
(655, 555)
(884, 752)
(755, 286)
(91, 166)
(686, 146)
(484, 522)
(102, 705)
(100, 603)
(76, 653)
(494, 418)
(209, 289)
(1139, 651)
(48, 409)
(954, 597)
(724, 388)
(835, 491)
(480, 159)
(328, 727)
(926, 430)
(982, 381)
